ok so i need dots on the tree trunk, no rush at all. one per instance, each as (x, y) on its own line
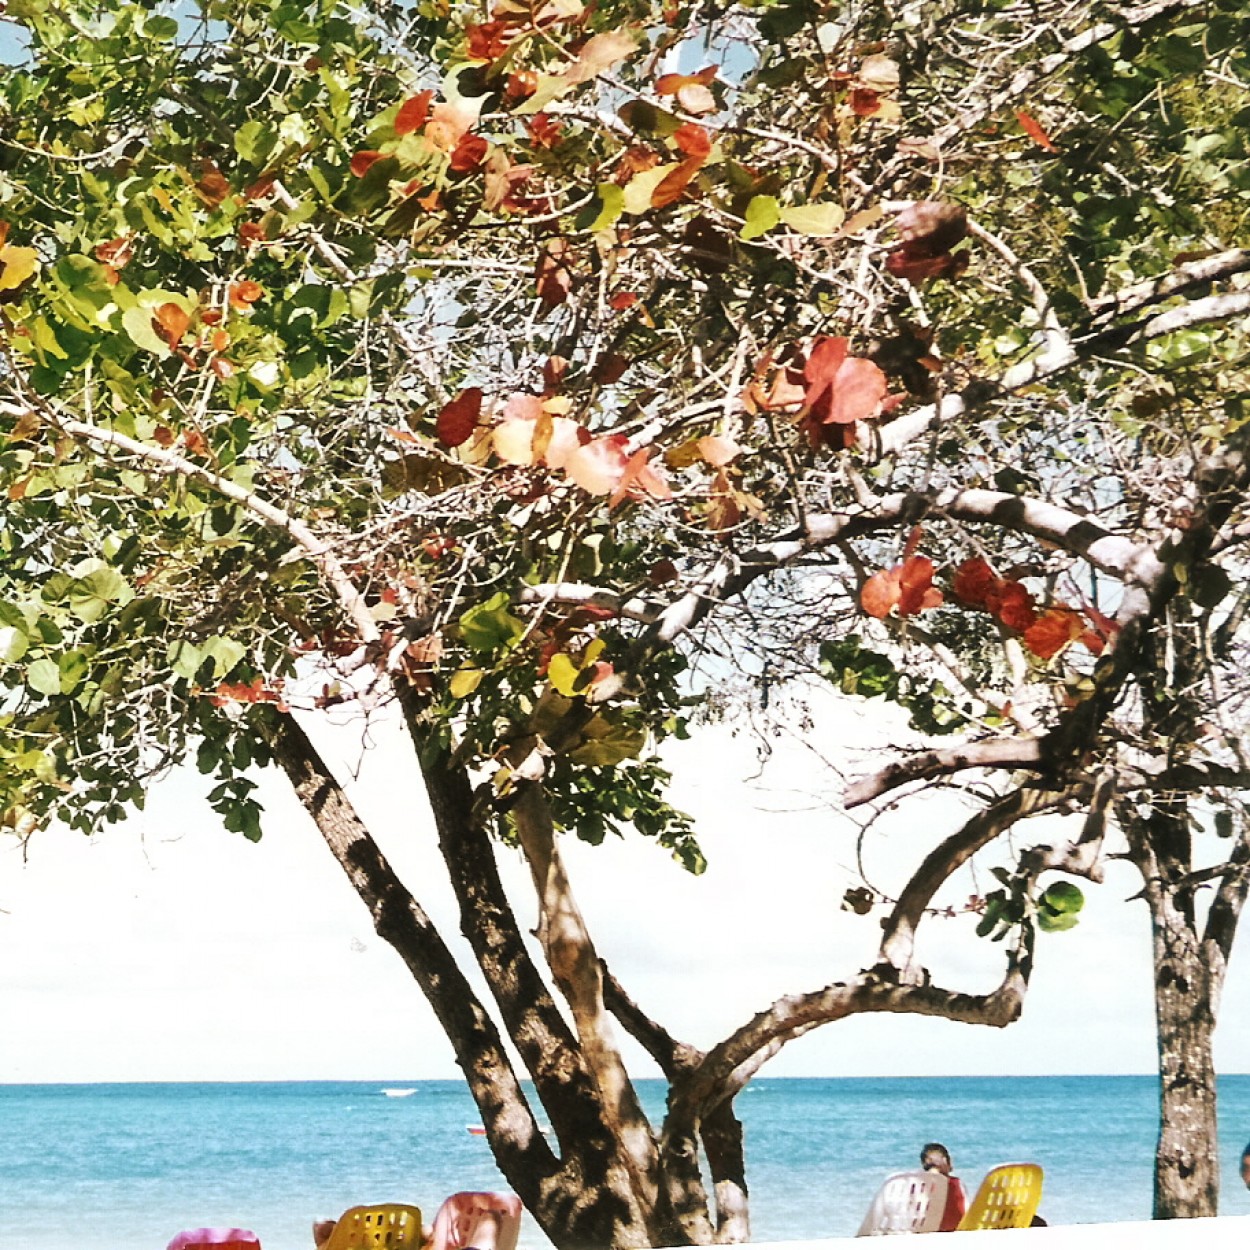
(1187, 1178)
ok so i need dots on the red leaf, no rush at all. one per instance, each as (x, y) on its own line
(609, 367)
(413, 113)
(823, 363)
(116, 252)
(487, 41)
(459, 418)
(545, 132)
(622, 300)
(468, 153)
(915, 583)
(858, 388)
(864, 103)
(553, 276)
(1012, 604)
(1033, 129)
(973, 580)
(362, 162)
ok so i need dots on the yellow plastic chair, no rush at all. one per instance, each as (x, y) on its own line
(389, 1226)
(1008, 1198)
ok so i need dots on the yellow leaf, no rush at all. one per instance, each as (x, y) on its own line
(818, 220)
(563, 674)
(17, 265)
(464, 682)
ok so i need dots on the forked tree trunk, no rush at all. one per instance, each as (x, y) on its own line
(1187, 1181)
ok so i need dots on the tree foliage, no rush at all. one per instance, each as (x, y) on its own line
(541, 368)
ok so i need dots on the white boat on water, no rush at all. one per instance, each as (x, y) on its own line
(398, 1093)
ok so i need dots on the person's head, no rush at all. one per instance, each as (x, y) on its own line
(1245, 1166)
(936, 1158)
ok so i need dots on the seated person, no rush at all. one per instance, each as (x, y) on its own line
(936, 1158)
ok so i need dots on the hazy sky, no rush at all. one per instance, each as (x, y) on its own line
(169, 949)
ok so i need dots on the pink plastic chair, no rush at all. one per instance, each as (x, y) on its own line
(218, 1238)
(463, 1221)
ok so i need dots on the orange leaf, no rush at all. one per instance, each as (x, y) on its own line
(598, 466)
(458, 419)
(718, 451)
(170, 321)
(880, 593)
(244, 294)
(693, 140)
(599, 53)
(1033, 129)
(673, 185)
(1052, 631)
(639, 478)
(413, 113)
(671, 84)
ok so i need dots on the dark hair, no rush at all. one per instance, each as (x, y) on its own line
(1245, 1154)
(934, 1152)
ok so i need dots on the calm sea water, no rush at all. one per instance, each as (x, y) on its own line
(124, 1167)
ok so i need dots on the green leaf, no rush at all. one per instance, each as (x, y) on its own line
(184, 658)
(817, 220)
(162, 28)
(90, 596)
(1063, 896)
(490, 626)
(13, 643)
(225, 653)
(44, 676)
(763, 213)
(608, 205)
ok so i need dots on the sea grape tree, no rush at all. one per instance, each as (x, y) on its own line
(502, 364)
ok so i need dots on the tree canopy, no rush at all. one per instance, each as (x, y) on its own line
(554, 371)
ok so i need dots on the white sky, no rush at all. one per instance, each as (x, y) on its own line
(169, 949)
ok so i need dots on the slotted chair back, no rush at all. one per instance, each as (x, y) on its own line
(458, 1219)
(1008, 1198)
(388, 1226)
(907, 1202)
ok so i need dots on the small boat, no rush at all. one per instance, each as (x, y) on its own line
(398, 1093)
(478, 1130)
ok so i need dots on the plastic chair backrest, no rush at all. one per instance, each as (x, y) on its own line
(1008, 1198)
(218, 1238)
(907, 1202)
(457, 1224)
(388, 1226)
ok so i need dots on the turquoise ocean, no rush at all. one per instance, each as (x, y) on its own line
(124, 1167)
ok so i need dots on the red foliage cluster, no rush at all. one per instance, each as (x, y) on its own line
(254, 691)
(1044, 632)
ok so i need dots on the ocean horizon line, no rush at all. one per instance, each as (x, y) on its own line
(393, 1080)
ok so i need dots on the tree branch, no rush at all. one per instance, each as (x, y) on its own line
(992, 753)
(522, 1152)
